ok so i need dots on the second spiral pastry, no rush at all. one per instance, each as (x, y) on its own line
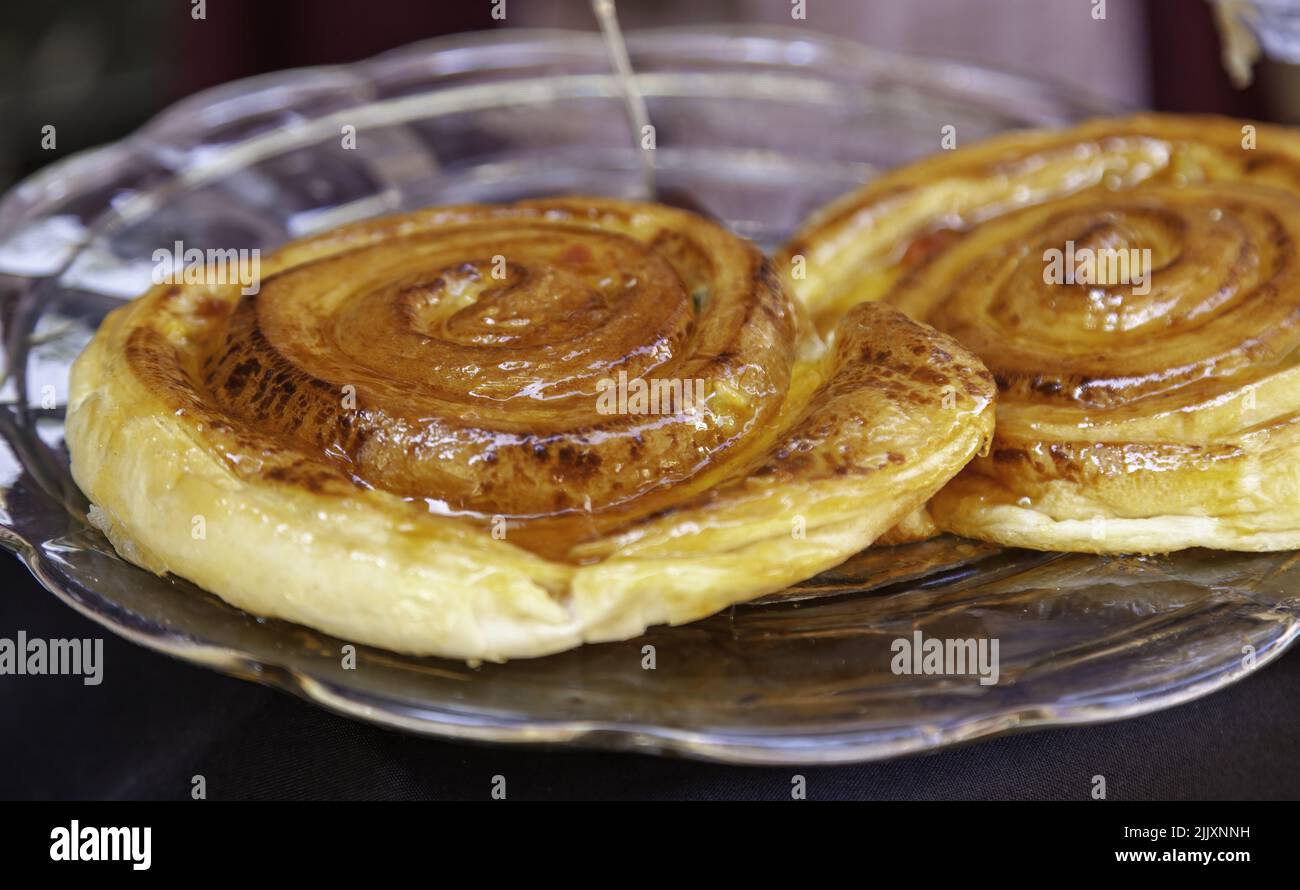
(1134, 286)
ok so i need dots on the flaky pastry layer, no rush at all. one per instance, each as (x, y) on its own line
(400, 439)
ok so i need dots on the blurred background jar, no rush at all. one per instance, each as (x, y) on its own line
(94, 70)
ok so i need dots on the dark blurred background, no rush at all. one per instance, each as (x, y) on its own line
(97, 69)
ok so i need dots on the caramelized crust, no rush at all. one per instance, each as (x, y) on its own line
(457, 362)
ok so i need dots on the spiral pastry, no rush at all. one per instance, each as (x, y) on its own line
(492, 432)
(1134, 287)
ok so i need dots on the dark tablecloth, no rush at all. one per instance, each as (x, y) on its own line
(154, 723)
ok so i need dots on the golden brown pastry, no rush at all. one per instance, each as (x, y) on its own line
(1134, 286)
(492, 432)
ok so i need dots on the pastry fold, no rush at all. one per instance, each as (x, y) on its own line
(1134, 286)
(495, 432)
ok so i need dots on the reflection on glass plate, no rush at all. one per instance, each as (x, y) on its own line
(758, 127)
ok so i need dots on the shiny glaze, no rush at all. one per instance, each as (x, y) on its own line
(452, 358)
(1095, 381)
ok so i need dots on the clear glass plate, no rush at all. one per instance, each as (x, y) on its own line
(758, 127)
